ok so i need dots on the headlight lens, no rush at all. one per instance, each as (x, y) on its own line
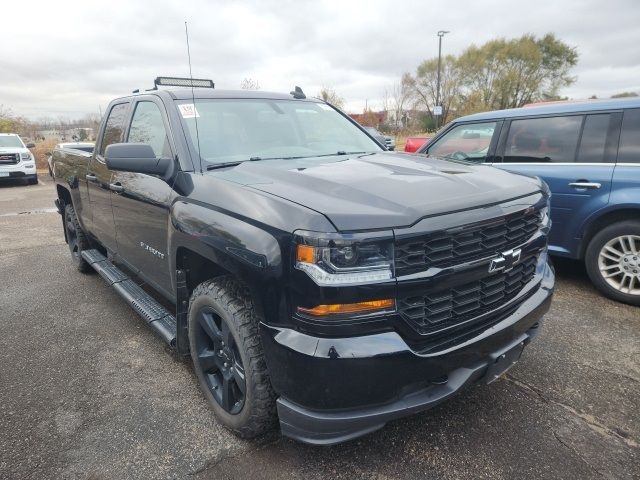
(26, 156)
(331, 259)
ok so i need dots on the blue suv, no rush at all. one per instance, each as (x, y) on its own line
(589, 155)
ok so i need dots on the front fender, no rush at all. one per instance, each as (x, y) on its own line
(252, 254)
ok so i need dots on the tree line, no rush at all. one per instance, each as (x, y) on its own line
(502, 73)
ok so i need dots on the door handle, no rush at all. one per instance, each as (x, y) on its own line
(587, 185)
(91, 177)
(116, 187)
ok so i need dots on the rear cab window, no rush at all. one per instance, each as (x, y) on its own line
(469, 142)
(114, 126)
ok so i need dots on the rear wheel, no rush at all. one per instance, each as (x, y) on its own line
(613, 261)
(76, 239)
(227, 356)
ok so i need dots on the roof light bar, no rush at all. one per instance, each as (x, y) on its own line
(183, 82)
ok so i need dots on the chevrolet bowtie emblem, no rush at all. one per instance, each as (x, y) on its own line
(506, 261)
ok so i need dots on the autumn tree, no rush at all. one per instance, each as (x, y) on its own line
(425, 84)
(510, 73)
(499, 74)
(329, 95)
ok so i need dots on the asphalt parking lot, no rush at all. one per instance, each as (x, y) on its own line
(87, 391)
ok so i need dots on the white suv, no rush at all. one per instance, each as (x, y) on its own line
(16, 161)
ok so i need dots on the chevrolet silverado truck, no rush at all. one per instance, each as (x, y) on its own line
(316, 279)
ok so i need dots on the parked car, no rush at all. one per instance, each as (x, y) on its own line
(413, 144)
(16, 161)
(316, 278)
(86, 147)
(589, 155)
(385, 140)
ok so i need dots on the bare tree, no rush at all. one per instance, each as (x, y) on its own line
(398, 99)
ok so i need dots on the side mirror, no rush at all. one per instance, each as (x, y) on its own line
(30, 145)
(136, 158)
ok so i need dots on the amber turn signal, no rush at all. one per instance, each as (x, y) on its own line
(306, 254)
(347, 308)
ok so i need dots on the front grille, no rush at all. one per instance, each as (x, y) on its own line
(463, 244)
(445, 309)
(9, 158)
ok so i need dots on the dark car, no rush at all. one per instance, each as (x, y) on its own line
(385, 140)
(314, 278)
(589, 155)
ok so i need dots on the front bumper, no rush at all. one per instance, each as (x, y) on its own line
(336, 389)
(19, 170)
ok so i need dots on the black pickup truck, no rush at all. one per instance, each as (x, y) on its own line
(315, 278)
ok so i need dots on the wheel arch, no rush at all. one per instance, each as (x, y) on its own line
(605, 219)
(64, 194)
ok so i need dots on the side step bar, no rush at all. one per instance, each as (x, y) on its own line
(158, 318)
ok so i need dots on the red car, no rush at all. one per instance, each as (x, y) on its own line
(414, 143)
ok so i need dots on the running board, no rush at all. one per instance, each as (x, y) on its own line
(158, 318)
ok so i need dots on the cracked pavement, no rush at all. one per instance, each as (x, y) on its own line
(87, 391)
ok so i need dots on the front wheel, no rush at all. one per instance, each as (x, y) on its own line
(613, 261)
(227, 356)
(76, 239)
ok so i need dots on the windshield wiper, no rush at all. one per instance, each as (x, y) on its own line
(215, 166)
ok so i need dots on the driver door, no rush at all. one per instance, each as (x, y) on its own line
(473, 142)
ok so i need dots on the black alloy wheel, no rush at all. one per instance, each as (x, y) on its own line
(220, 361)
(76, 239)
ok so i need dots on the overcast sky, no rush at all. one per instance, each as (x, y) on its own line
(64, 58)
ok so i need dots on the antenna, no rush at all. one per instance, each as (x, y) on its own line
(193, 98)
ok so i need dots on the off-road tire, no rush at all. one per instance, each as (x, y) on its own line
(76, 239)
(232, 303)
(628, 227)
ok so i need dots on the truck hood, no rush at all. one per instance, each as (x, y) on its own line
(381, 190)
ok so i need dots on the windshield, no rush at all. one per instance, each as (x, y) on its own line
(259, 129)
(10, 141)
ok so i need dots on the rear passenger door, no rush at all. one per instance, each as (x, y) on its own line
(141, 202)
(99, 177)
(575, 155)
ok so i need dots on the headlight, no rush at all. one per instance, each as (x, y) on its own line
(333, 259)
(26, 157)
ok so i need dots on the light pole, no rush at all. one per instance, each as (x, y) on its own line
(441, 34)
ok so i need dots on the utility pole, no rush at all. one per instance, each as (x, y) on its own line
(437, 111)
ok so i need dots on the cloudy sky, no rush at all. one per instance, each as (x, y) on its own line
(67, 58)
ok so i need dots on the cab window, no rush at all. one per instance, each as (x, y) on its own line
(148, 127)
(465, 142)
(114, 126)
(543, 140)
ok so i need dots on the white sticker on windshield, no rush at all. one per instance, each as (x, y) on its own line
(188, 110)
